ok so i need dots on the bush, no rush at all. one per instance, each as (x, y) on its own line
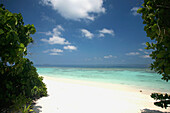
(155, 14)
(19, 80)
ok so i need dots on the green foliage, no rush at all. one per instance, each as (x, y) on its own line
(19, 81)
(27, 109)
(156, 16)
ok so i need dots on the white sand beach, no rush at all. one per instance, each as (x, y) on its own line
(75, 96)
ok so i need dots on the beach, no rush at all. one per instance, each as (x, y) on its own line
(80, 96)
(84, 56)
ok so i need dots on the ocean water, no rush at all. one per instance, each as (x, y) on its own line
(142, 78)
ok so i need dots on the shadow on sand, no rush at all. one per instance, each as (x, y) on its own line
(152, 111)
(37, 109)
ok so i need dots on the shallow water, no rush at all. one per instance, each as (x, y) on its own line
(135, 77)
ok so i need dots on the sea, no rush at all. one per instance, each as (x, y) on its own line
(138, 77)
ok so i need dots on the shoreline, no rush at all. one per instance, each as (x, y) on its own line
(79, 96)
(108, 85)
(139, 79)
(120, 87)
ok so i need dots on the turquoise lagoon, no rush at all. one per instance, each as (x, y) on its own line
(142, 78)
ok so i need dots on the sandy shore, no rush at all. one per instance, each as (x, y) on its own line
(74, 96)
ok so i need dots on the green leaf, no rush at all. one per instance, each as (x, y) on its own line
(22, 45)
(9, 14)
(32, 30)
(21, 48)
(31, 110)
(147, 43)
(1, 31)
(140, 10)
(16, 21)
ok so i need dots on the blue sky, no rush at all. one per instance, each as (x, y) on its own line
(84, 31)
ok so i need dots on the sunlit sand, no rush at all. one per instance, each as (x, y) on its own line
(74, 96)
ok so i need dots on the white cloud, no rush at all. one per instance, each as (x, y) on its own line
(70, 47)
(53, 51)
(101, 35)
(46, 51)
(106, 31)
(87, 33)
(57, 30)
(48, 33)
(56, 36)
(140, 49)
(110, 56)
(76, 9)
(132, 53)
(56, 40)
(143, 51)
(146, 56)
(54, 54)
(134, 11)
(91, 18)
(146, 52)
(56, 50)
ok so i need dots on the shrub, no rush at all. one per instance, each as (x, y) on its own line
(19, 80)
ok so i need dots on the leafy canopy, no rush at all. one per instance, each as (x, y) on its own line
(15, 36)
(156, 16)
(19, 81)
